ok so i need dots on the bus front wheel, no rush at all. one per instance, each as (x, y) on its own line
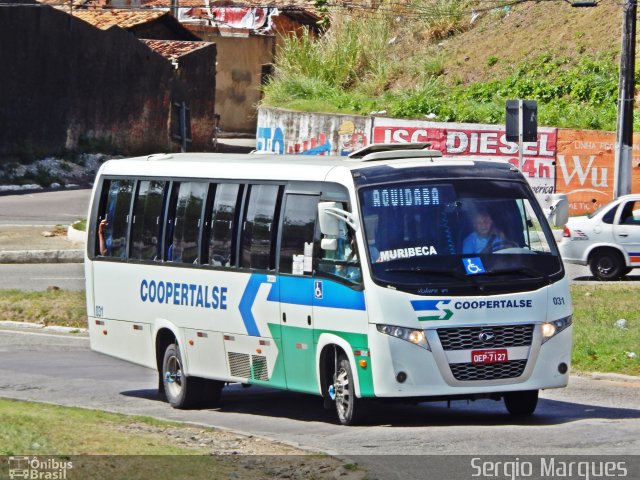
(181, 391)
(521, 403)
(348, 406)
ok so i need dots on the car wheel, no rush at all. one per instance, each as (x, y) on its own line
(607, 265)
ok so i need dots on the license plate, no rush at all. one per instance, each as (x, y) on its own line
(489, 356)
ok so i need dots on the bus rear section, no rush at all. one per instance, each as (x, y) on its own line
(353, 280)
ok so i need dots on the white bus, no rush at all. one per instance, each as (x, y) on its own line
(393, 274)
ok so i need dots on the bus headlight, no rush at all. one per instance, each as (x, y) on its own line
(551, 329)
(417, 337)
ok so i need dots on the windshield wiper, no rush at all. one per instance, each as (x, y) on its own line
(530, 272)
(419, 270)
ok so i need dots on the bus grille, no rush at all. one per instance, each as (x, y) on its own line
(239, 364)
(243, 365)
(259, 364)
(502, 336)
(491, 371)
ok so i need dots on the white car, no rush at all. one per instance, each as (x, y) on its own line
(608, 240)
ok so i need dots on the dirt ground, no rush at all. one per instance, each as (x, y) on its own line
(255, 457)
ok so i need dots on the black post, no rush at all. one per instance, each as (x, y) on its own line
(624, 128)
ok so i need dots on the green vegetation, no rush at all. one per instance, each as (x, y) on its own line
(31, 428)
(102, 445)
(80, 224)
(598, 345)
(51, 307)
(364, 63)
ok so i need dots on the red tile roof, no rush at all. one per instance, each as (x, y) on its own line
(173, 49)
(105, 19)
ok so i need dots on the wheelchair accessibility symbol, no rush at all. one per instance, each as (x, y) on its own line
(317, 289)
(473, 265)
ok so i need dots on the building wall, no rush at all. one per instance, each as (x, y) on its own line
(197, 74)
(238, 76)
(65, 83)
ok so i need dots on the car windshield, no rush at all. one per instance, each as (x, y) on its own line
(460, 235)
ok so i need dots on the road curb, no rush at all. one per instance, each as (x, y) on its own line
(42, 256)
(614, 377)
(12, 324)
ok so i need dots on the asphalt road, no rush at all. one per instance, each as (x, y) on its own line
(44, 208)
(590, 417)
(39, 276)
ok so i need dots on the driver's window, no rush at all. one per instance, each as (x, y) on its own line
(344, 261)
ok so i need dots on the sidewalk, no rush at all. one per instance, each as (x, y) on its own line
(35, 244)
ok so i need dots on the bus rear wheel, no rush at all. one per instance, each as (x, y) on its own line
(521, 403)
(348, 406)
(181, 391)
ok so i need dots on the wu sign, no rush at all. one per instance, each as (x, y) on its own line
(522, 118)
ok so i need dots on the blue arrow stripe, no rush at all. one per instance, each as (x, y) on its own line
(425, 304)
(246, 302)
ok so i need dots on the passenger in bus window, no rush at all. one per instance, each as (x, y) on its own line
(104, 251)
(485, 238)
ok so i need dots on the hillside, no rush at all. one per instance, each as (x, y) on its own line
(527, 31)
(455, 60)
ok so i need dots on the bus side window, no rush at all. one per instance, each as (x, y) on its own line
(223, 219)
(296, 246)
(113, 221)
(185, 238)
(146, 228)
(259, 227)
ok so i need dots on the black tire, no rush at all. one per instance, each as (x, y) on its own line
(181, 391)
(607, 265)
(348, 406)
(521, 403)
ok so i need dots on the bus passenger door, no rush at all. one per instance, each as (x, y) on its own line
(296, 292)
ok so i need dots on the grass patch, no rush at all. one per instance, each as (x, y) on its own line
(52, 307)
(80, 224)
(101, 445)
(30, 428)
(598, 345)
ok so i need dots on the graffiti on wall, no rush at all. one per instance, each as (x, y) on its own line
(479, 142)
(270, 140)
(350, 138)
(286, 133)
(585, 168)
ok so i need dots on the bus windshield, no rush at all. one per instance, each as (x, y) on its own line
(457, 235)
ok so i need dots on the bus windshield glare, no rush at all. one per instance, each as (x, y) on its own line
(486, 233)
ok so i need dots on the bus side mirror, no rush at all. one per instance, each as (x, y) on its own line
(328, 223)
(558, 211)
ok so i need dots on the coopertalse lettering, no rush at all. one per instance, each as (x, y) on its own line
(183, 294)
(480, 304)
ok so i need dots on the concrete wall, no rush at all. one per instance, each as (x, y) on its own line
(65, 82)
(238, 77)
(284, 131)
(578, 163)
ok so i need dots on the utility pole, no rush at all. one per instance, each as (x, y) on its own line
(626, 86)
